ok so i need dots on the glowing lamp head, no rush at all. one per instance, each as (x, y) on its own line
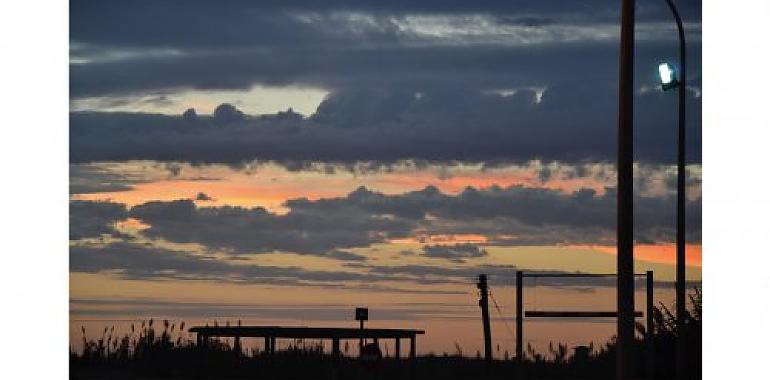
(667, 76)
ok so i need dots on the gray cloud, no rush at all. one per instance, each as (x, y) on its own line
(94, 219)
(455, 253)
(145, 262)
(518, 215)
(106, 177)
(227, 113)
(389, 125)
(246, 23)
(375, 57)
(203, 197)
(138, 261)
(134, 261)
(240, 230)
(506, 216)
(499, 276)
(345, 256)
(85, 179)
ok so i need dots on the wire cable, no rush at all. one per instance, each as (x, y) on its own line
(500, 312)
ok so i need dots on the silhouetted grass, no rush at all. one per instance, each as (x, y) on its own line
(145, 352)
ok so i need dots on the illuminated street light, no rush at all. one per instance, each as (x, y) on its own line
(668, 77)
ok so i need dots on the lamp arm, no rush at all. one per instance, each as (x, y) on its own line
(681, 349)
(682, 41)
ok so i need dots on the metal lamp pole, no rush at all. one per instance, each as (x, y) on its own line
(680, 204)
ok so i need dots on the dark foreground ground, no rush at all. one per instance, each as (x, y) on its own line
(145, 354)
(289, 366)
(195, 363)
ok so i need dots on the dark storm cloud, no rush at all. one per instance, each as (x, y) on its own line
(234, 45)
(375, 58)
(94, 219)
(569, 124)
(235, 23)
(477, 66)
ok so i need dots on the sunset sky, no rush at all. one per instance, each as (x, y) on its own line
(283, 162)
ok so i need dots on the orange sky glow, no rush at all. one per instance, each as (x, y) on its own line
(271, 185)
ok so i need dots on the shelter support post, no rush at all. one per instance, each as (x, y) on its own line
(336, 347)
(398, 348)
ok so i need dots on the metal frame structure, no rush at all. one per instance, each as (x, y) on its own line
(521, 313)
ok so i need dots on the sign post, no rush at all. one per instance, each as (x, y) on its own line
(362, 314)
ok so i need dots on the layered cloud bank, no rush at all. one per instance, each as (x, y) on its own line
(436, 80)
(388, 126)
(526, 86)
(503, 216)
(353, 44)
(181, 240)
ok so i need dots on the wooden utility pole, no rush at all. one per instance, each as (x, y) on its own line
(484, 304)
(625, 222)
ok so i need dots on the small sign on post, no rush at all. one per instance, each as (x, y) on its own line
(362, 314)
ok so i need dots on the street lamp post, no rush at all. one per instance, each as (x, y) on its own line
(670, 80)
